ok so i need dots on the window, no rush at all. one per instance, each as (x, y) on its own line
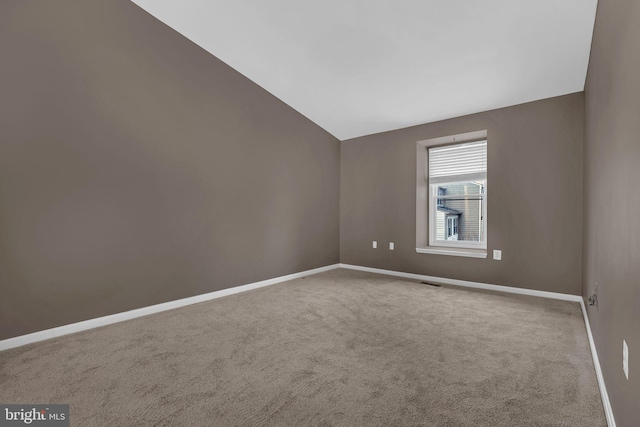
(441, 192)
(452, 228)
(451, 195)
(457, 185)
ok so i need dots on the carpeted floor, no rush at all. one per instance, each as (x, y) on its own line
(342, 348)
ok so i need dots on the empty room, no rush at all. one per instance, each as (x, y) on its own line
(337, 213)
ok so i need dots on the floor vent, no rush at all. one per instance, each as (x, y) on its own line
(430, 284)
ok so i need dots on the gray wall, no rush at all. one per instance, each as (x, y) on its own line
(135, 168)
(612, 201)
(534, 197)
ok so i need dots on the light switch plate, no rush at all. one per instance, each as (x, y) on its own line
(391, 246)
(375, 245)
(497, 254)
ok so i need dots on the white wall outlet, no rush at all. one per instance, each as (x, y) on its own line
(497, 254)
(625, 359)
(375, 245)
(391, 246)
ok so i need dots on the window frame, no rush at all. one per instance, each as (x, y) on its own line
(426, 203)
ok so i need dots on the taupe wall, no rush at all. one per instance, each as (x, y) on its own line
(135, 168)
(534, 197)
(612, 201)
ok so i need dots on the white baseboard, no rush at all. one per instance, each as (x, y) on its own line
(144, 311)
(544, 294)
(467, 284)
(608, 411)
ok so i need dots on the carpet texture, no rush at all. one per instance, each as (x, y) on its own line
(342, 348)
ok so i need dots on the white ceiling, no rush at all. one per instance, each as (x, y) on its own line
(357, 67)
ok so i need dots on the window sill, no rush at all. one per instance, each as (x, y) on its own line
(469, 253)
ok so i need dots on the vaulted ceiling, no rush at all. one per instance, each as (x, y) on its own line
(357, 67)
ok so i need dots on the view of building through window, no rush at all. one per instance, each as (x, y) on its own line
(459, 213)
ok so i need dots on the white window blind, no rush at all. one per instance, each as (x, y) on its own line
(457, 163)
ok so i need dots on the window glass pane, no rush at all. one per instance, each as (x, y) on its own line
(463, 218)
(456, 178)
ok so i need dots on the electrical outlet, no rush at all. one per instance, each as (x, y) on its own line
(625, 359)
(375, 245)
(497, 254)
(391, 246)
(593, 299)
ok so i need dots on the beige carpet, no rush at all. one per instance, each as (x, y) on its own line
(340, 348)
